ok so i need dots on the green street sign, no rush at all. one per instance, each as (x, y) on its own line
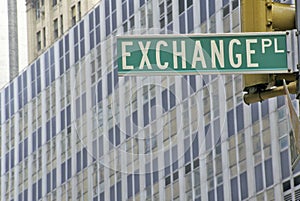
(238, 53)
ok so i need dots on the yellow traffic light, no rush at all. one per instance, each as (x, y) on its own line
(263, 16)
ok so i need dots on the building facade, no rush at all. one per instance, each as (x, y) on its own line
(71, 129)
(49, 20)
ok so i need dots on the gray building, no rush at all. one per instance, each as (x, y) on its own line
(71, 129)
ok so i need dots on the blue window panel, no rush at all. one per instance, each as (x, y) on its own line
(52, 71)
(52, 58)
(109, 83)
(117, 135)
(77, 107)
(48, 133)
(25, 194)
(116, 78)
(155, 177)
(25, 147)
(6, 112)
(240, 117)
(92, 40)
(225, 2)
(67, 60)
(32, 71)
(67, 43)
(212, 8)
(153, 109)
(48, 182)
(11, 87)
(6, 161)
(164, 99)
(61, 66)
(182, 24)
(124, 11)
(63, 172)
(184, 87)
(131, 7)
(75, 31)
(78, 161)
(269, 172)
(25, 79)
(111, 137)
(83, 103)
(82, 49)
(106, 7)
(46, 62)
(98, 38)
(62, 120)
(101, 150)
(167, 162)
(211, 195)
(34, 192)
(174, 158)
(142, 2)
(136, 183)
(12, 108)
(280, 101)
(99, 91)
(20, 197)
(244, 185)
(190, 20)
(40, 189)
(20, 102)
(112, 193)
(68, 115)
(107, 26)
(234, 189)
(202, 11)
(114, 21)
(84, 158)
(102, 196)
(94, 144)
(47, 78)
(187, 151)
(259, 178)
(129, 186)
(91, 21)
(76, 53)
(119, 191)
(128, 127)
(220, 192)
(61, 48)
(54, 179)
(254, 112)
(97, 15)
(69, 168)
(192, 84)
(181, 6)
(135, 121)
(195, 145)
(34, 141)
(20, 151)
(230, 123)
(53, 129)
(33, 90)
(264, 108)
(6, 93)
(146, 113)
(12, 158)
(39, 137)
(39, 85)
(172, 96)
(113, 5)
(284, 161)
(148, 179)
(208, 137)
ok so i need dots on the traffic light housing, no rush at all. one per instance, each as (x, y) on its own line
(264, 16)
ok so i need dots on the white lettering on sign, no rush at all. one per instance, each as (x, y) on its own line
(276, 47)
(145, 58)
(238, 56)
(265, 43)
(217, 53)
(158, 61)
(198, 55)
(177, 54)
(249, 52)
(126, 54)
